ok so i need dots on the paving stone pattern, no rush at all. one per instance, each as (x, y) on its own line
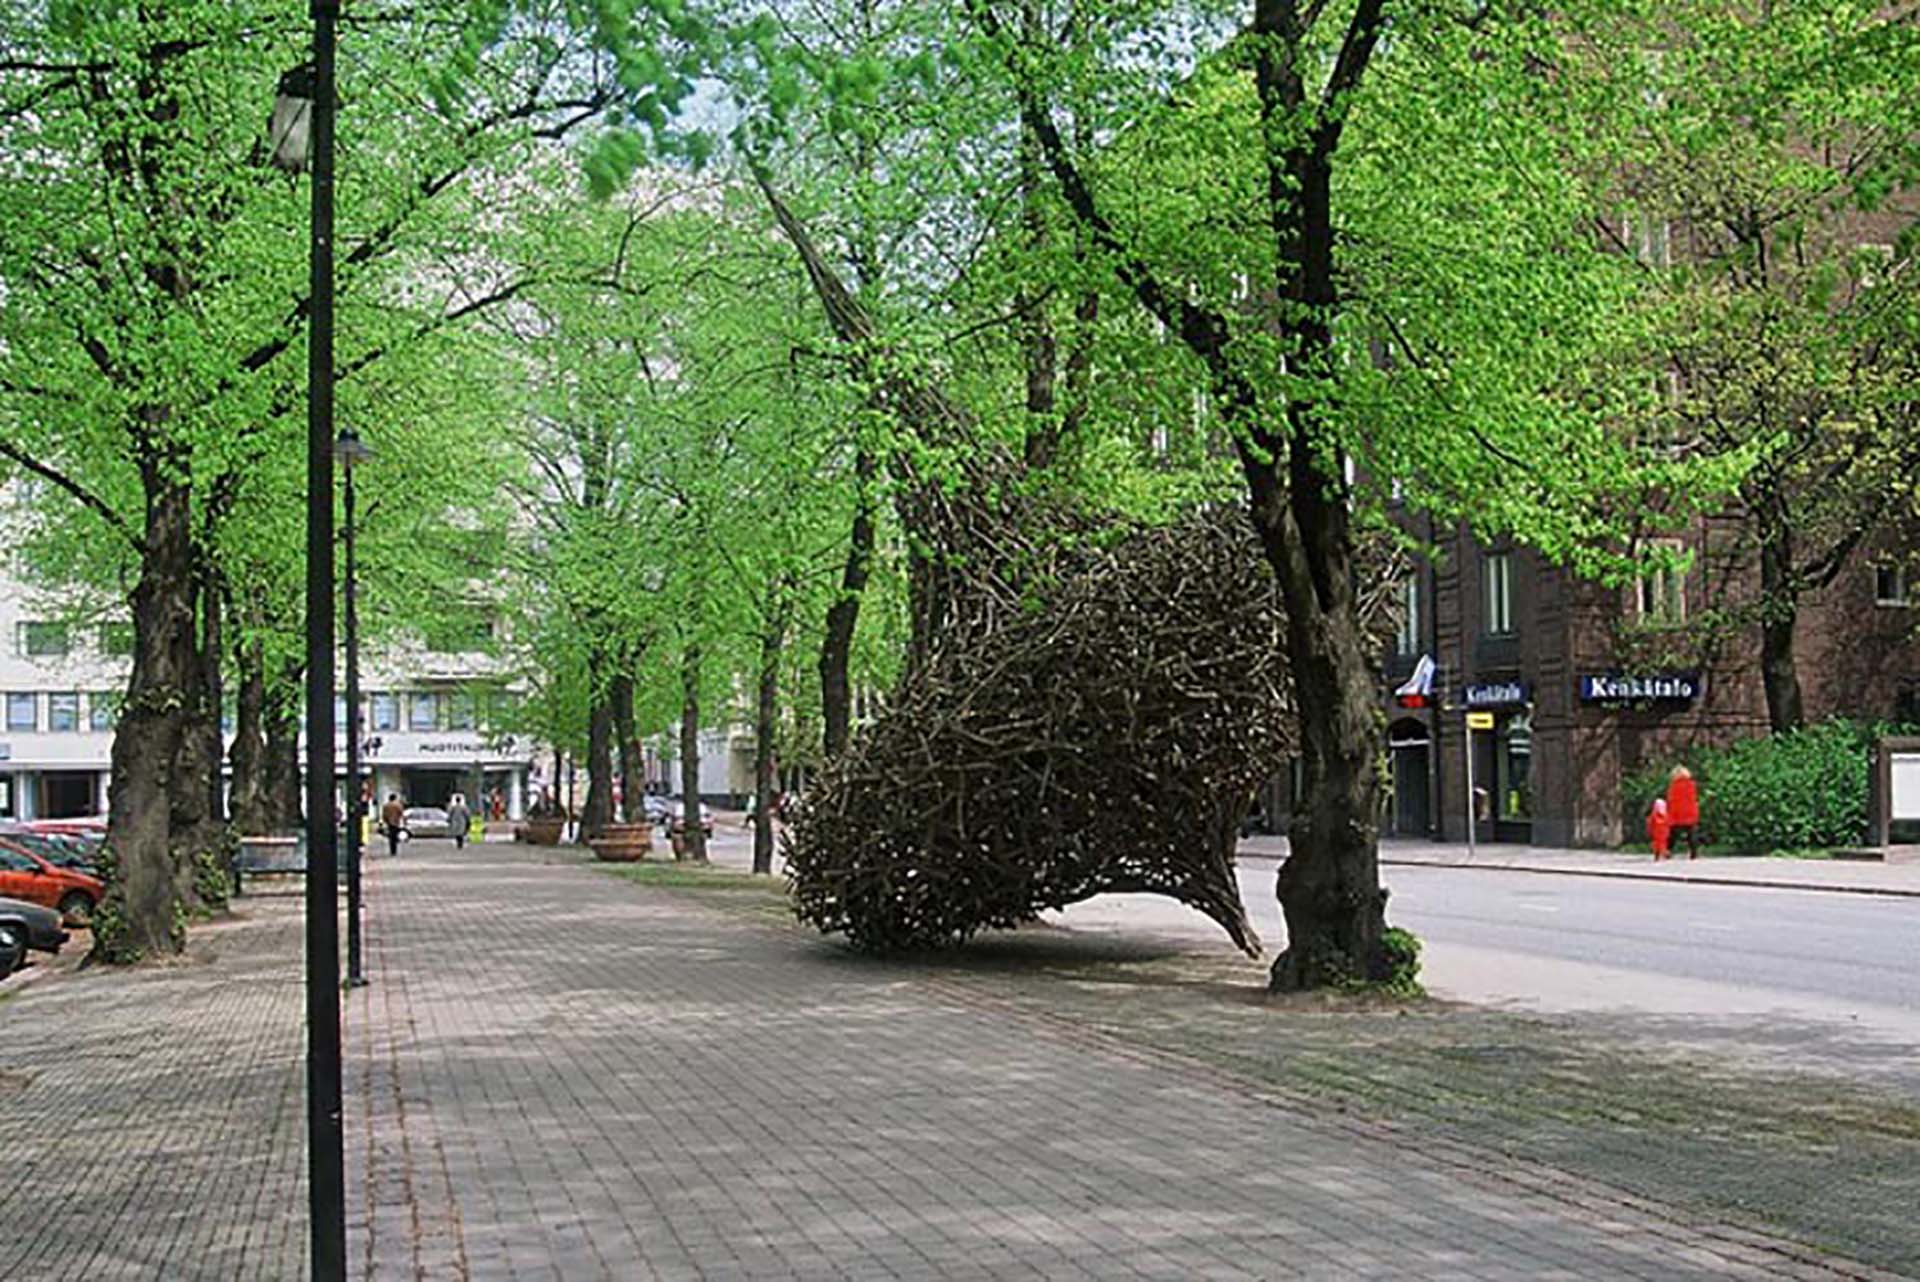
(152, 1122)
(559, 1075)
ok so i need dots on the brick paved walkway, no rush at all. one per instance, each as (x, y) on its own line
(564, 1076)
(152, 1122)
(560, 1075)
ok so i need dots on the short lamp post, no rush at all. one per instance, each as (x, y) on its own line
(349, 450)
(302, 136)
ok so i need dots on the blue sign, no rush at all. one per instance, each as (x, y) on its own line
(1495, 694)
(1657, 687)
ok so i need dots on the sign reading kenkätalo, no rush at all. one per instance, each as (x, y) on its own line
(1494, 694)
(1652, 687)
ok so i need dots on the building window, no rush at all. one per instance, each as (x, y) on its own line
(43, 640)
(1513, 768)
(1496, 584)
(103, 709)
(386, 711)
(63, 712)
(1661, 593)
(23, 712)
(460, 711)
(423, 711)
(116, 639)
(1407, 640)
(1891, 585)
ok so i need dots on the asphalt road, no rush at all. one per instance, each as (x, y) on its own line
(1809, 979)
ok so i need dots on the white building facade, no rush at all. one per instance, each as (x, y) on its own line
(426, 719)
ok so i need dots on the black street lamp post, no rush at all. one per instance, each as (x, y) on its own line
(349, 450)
(326, 1174)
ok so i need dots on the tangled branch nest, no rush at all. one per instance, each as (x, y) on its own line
(1101, 728)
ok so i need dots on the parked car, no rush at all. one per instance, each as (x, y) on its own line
(24, 928)
(75, 854)
(428, 821)
(93, 826)
(25, 875)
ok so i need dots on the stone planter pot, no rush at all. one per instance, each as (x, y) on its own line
(545, 831)
(623, 843)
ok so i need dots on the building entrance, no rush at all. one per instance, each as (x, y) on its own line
(1503, 779)
(424, 787)
(66, 794)
(1412, 810)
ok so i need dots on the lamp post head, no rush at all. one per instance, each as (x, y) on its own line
(289, 129)
(349, 449)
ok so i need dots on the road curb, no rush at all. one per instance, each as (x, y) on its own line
(1752, 883)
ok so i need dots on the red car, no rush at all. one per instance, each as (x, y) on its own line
(25, 875)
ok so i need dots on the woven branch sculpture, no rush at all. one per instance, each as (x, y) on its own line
(1104, 730)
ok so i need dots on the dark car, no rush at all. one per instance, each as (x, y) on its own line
(26, 927)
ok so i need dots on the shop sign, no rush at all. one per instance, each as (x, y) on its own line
(454, 747)
(1479, 721)
(1656, 687)
(1494, 694)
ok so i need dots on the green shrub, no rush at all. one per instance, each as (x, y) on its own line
(1803, 789)
(1402, 948)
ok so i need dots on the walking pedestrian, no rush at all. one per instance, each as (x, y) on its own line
(1658, 828)
(458, 817)
(393, 818)
(1683, 809)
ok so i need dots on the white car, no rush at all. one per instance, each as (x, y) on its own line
(665, 812)
(427, 821)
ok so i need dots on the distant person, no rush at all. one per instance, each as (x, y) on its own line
(393, 818)
(1683, 809)
(497, 806)
(1658, 829)
(458, 817)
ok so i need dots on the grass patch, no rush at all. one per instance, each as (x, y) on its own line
(681, 876)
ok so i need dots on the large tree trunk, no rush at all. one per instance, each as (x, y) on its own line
(765, 783)
(836, 647)
(1779, 615)
(248, 756)
(282, 779)
(633, 775)
(1329, 887)
(694, 842)
(199, 835)
(598, 812)
(142, 913)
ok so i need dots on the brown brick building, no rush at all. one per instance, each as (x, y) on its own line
(1586, 684)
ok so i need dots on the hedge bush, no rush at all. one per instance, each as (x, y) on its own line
(1803, 789)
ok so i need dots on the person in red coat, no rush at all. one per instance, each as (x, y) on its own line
(1657, 828)
(1683, 809)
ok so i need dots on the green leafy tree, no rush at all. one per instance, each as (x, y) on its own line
(154, 306)
(1764, 178)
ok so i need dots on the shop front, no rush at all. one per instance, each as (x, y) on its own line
(426, 769)
(1502, 759)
